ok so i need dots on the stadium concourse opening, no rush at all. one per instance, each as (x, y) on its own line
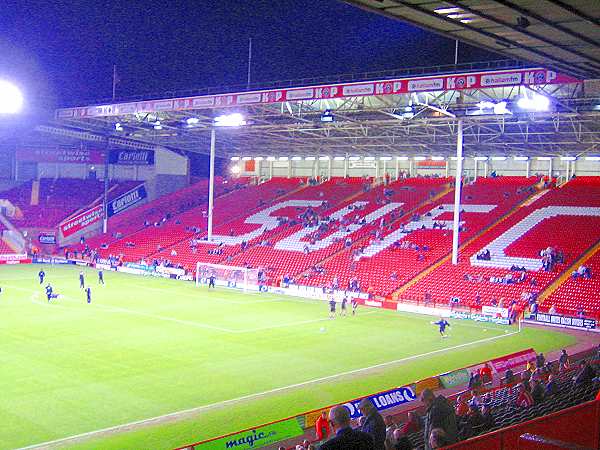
(383, 240)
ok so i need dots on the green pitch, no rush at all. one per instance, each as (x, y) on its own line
(149, 347)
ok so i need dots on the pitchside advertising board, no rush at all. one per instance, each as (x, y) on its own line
(126, 200)
(255, 438)
(81, 221)
(383, 400)
(132, 157)
(566, 321)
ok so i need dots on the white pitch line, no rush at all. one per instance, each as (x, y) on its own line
(193, 411)
(291, 324)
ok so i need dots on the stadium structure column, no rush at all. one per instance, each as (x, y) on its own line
(376, 170)
(550, 167)
(447, 168)
(486, 168)
(410, 168)
(527, 168)
(289, 168)
(270, 170)
(457, 191)
(211, 183)
(397, 168)
(346, 166)
(476, 169)
(105, 198)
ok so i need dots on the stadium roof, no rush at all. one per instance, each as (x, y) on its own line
(558, 34)
(399, 116)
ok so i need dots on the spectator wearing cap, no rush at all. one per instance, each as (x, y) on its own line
(439, 415)
(374, 423)
(486, 374)
(345, 437)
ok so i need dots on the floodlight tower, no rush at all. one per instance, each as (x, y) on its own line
(11, 98)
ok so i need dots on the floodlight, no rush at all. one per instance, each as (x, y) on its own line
(192, 120)
(521, 158)
(453, 158)
(447, 10)
(246, 158)
(327, 116)
(498, 158)
(437, 158)
(481, 158)
(309, 158)
(543, 158)
(271, 158)
(385, 158)
(235, 158)
(592, 158)
(157, 125)
(235, 169)
(258, 158)
(229, 120)
(402, 158)
(118, 127)
(537, 102)
(323, 158)
(369, 158)
(568, 158)
(419, 158)
(296, 158)
(283, 158)
(11, 99)
(353, 158)
(339, 158)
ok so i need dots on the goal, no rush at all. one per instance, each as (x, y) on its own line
(228, 276)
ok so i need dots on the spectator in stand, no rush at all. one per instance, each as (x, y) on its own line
(538, 391)
(345, 437)
(586, 373)
(474, 418)
(462, 407)
(540, 360)
(552, 310)
(486, 374)
(475, 382)
(322, 427)
(439, 415)
(438, 438)
(488, 418)
(551, 387)
(509, 376)
(524, 399)
(563, 360)
(400, 441)
(374, 423)
(413, 424)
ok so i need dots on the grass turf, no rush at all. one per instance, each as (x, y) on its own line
(146, 347)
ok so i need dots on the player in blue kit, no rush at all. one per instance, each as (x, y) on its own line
(442, 323)
(211, 281)
(100, 277)
(81, 280)
(41, 275)
(88, 293)
(332, 307)
(344, 308)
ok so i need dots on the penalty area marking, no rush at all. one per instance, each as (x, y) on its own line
(178, 415)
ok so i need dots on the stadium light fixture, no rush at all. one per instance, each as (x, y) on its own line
(402, 158)
(235, 158)
(296, 158)
(11, 98)
(246, 158)
(447, 10)
(118, 127)
(235, 170)
(419, 158)
(309, 158)
(498, 158)
(568, 158)
(437, 158)
(453, 158)
(271, 158)
(592, 158)
(521, 158)
(327, 116)
(157, 125)
(536, 102)
(354, 158)
(283, 158)
(369, 158)
(230, 120)
(258, 158)
(323, 158)
(385, 158)
(543, 158)
(192, 121)
(339, 158)
(480, 158)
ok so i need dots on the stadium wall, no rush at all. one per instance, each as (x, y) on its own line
(375, 168)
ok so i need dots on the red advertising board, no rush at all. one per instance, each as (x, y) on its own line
(61, 155)
(500, 365)
(474, 80)
(81, 221)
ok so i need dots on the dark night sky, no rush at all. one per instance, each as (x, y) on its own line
(63, 52)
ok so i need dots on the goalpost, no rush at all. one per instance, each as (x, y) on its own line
(233, 277)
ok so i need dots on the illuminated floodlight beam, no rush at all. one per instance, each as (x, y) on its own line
(230, 120)
(537, 102)
(11, 99)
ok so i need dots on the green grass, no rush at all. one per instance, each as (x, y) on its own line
(147, 347)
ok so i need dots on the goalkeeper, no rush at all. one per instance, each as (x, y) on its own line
(211, 281)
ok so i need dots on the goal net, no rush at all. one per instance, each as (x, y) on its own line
(227, 276)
